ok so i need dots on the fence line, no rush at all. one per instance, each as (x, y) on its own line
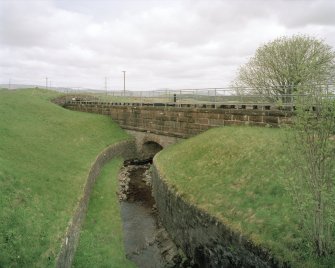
(217, 96)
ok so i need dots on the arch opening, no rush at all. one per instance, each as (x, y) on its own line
(150, 148)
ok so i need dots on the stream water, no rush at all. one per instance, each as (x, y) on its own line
(146, 242)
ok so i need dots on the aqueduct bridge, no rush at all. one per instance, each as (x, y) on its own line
(160, 124)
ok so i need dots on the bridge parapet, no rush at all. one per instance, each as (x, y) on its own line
(212, 105)
(184, 120)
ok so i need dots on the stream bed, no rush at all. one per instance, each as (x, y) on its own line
(146, 241)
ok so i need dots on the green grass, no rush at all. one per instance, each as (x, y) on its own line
(101, 241)
(45, 155)
(238, 174)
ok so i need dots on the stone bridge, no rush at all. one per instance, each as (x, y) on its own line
(183, 120)
(156, 126)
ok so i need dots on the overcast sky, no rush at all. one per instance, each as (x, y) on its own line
(160, 44)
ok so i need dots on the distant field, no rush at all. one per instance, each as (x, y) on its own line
(45, 155)
(238, 174)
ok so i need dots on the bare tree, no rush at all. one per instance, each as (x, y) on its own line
(278, 67)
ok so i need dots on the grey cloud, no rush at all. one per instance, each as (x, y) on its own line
(39, 24)
(295, 14)
(160, 43)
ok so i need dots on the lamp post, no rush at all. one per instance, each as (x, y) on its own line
(124, 83)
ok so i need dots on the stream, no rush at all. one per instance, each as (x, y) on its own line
(146, 241)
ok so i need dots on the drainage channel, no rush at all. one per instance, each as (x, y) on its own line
(146, 241)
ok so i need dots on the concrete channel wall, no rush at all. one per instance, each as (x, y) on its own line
(203, 238)
(183, 122)
(124, 149)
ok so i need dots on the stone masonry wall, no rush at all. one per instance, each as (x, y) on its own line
(203, 238)
(125, 149)
(182, 122)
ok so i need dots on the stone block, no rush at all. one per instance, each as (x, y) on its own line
(202, 121)
(270, 119)
(216, 122)
(169, 124)
(240, 117)
(257, 118)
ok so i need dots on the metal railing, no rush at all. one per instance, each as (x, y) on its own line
(211, 97)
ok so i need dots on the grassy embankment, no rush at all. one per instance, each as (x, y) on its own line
(45, 155)
(238, 174)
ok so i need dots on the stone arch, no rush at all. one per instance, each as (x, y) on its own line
(150, 148)
(151, 140)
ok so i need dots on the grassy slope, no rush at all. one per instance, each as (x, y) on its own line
(45, 155)
(238, 174)
(101, 243)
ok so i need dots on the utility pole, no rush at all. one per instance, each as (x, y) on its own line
(124, 83)
(46, 82)
(106, 84)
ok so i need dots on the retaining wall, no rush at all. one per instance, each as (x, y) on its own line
(124, 149)
(201, 236)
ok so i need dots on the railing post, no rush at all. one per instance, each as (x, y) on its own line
(215, 97)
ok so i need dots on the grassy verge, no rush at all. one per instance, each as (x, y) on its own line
(45, 155)
(101, 243)
(238, 174)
